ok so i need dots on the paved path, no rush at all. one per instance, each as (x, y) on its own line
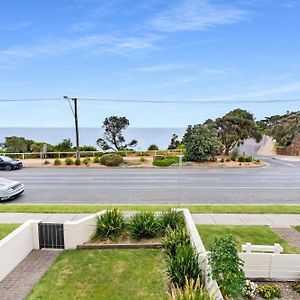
(213, 219)
(289, 234)
(19, 282)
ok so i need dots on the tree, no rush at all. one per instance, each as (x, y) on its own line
(65, 146)
(16, 144)
(152, 147)
(112, 137)
(202, 143)
(174, 142)
(235, 127)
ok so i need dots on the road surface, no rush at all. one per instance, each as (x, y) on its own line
(277, 184)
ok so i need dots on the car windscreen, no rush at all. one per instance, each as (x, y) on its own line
(6, 159)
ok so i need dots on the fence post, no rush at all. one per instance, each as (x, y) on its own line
(23, 156)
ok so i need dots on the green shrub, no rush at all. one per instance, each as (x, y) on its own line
(192, 290)
(143, 225)
(234, 153)
(121, 153)
(86, 161)
(166, 161)
(269, 291)
(152, 147)
(110, 224)
(69, 161)
(222, 160)
(174, 238)
(77, 162)
(111, 160)
(241, 159)
(158, 157)
(57, 162)
(183, 265)
(96, 160)
(171, 218)
(226, 266)
(142, 159)
(248, 159)
(46, 162)
(228, 159)
(296, 286)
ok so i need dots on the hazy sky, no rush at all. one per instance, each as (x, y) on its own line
(146, 49)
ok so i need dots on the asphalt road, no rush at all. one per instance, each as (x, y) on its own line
(277, 184)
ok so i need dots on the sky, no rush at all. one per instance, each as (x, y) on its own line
(166, 50)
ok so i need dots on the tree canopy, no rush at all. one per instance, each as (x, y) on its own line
(113, 138)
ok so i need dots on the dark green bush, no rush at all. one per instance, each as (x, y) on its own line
(46, 162)
(248, 159)
(241, 159)
(222, 160)
(269, 291)
(174, 238)
(171, 218)
(143, 225)
(228, 159)
(110, 224)
(86, 161)
(296, 286)
(111, 160)
(183, 265)
(234, 153)
(96, 160)
(152, 147)
(158, 157)
(166, 161)
(226, 266)
(57, 162)
(69, 161)
(77, 162)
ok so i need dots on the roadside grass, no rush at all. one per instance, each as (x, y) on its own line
(204, 209)
(258, 235)
(104, 274)
(297, 228)
(6, 229)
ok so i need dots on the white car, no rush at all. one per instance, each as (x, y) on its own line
(10, 189)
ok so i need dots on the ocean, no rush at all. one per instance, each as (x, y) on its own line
(88, 136)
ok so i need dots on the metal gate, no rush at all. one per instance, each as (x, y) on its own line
(51, 235)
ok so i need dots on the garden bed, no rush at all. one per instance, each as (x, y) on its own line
(258, 235)
(104, 274)
(6, 229)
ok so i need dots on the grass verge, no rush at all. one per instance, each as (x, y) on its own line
(205, 209)
(104, 274)
(6, 229)
(258, 235)
(297, 228)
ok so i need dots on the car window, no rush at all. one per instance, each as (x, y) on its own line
(6, 159)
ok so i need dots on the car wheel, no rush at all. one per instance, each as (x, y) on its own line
(8, 168)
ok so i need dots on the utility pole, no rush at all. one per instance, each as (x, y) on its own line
(75, 114)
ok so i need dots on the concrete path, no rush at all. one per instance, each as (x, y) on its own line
(213, 219)
(289, 234)
(19, 282)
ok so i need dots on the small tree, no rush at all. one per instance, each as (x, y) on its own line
(226, 266)
(17, 144)
(202, 143)
(112, 138)
(234, 153)
(65, 146)
(152, 147)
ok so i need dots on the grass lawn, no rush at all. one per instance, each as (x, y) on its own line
(249, 209)
(258, 235)
(297, 228)
(6, 229)
(104, 274)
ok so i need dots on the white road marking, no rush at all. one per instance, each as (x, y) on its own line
(167, 187)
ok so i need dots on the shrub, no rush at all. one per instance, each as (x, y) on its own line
(173, 239)
(96, 160)
(46, 162)
(250, 289)
(192, 290)
(183, 265)
(296, 286)
(143, 159)
(57, 162)
(77, 162)
(171, 218)
(227, 267)
(111, 160)
(228, 159)
(241, 159)
(86, 161)
(248, 159)
(152, 147)
(222, 160)
(143, 225)
(269, 291)
(110, 224)
(234, 153)
(69, 161)
(158, 157)
(166, 161)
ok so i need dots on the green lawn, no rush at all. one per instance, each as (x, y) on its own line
(104, 274)
(259, 235)
(6, 229)
(297, 228)
(250, 209)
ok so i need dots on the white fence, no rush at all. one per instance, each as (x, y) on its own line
(17, 245)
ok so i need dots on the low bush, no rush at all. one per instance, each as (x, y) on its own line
(142, 159)
(111, 160)
(241, 159)
(234, 153)
(192, 290)
(166, 161)
(86, 161)
(77, 162)
(248, 159)
(158, 157)
(174, 238)
(96, 160)
(250, 289)
(183, 265)
(222, 160)
(269, 291)
(110, 224)
(171, 218)
(152, 147)
(228, 159)
(296, 286)
(69, 161)
(57, 162)
(46, 162)
(226, 266)
(143, 225)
